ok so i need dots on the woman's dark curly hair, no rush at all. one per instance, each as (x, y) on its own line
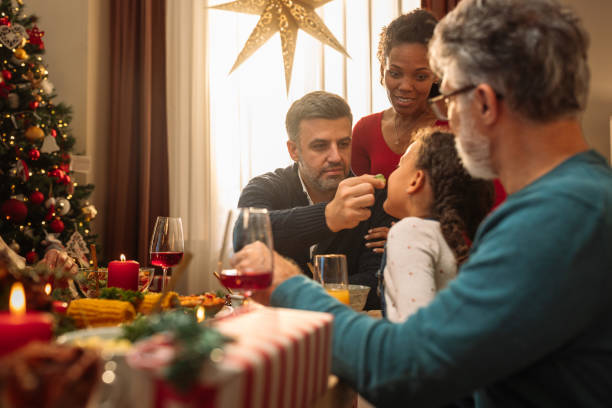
(460, 202)
(414, 27)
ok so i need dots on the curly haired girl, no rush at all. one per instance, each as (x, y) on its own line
(440, 206)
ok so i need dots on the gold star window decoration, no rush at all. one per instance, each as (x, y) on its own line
(285, 17)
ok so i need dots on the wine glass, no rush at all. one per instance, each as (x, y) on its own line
(331, 271)
(167, 244)
(247, 226)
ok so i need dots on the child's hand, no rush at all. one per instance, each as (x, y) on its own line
(377, 237)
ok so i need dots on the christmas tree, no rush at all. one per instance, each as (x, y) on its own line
(40, 204)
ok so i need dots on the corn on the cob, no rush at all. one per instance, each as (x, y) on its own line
(100, 312)
(171, 300)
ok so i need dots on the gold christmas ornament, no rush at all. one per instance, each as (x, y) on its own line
(34, 133)
(285, 17)
(21, 54)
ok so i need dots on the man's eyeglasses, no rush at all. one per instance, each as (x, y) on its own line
(439, 104)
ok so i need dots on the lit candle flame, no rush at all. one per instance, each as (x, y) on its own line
(48, 289)
(200, 313)
(122, 258)
(17, 301)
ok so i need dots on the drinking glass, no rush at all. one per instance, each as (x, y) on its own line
(167, 244)
(331, 271)
(247, 226)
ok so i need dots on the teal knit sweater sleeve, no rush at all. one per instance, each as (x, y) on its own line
(521, 322)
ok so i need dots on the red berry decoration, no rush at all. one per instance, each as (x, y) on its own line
(53, 132)
(34, 154)
(57, 225)
(66, 179)
(50, 213)
(31, 257)
(7, 75)
(14, 210)
(37, 197)
(33, 105)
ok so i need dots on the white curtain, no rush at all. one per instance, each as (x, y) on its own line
(225, 129)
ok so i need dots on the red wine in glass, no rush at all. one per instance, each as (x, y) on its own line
(166, 259)
(167, 244)
(249, 226)
(246, 281)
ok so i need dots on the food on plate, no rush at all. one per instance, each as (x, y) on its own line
(108, 345)
(191, 300)
(100, 312)
(171, 300)
(135, 298)
(210, 301)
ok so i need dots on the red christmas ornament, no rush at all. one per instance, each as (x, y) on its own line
(36, 37)
(53, 132)
(37, 197)
(58, 174)
(14, 210)
(57, 225)
(66, 179)
(34, 154)
(33, 105)
(31, 257)
(7, 75)
(50, 213)
(65, 167)
(5, 21)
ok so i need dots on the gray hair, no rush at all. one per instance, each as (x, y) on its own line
(315, 105)
(534, 52)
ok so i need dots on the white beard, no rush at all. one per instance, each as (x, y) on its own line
(474, 149)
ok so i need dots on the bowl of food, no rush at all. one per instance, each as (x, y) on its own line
(90, 282)
(211, 302)
(358, 294)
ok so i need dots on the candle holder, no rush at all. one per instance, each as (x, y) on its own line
(85, 281)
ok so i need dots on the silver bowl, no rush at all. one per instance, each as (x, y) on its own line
(358, 294)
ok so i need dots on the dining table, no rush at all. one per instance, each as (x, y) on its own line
(277, 358)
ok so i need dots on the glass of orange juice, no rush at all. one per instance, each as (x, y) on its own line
(331, 271)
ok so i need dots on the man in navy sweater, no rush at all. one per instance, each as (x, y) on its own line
(528, 320)
(316, 206)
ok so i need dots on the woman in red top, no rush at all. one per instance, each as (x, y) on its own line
(380, 139)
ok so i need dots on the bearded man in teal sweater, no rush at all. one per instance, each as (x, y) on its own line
(528, 320)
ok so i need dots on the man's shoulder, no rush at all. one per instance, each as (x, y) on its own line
(582, 181)
(277, 189)
(575, 196)
(280, 175)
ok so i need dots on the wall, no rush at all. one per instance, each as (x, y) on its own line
(77, 53)
(597, 18)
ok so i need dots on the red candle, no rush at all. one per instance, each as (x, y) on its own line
(123, 274)
(18, 328)
(60, 307)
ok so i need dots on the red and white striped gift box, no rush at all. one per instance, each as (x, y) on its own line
(280, 358)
